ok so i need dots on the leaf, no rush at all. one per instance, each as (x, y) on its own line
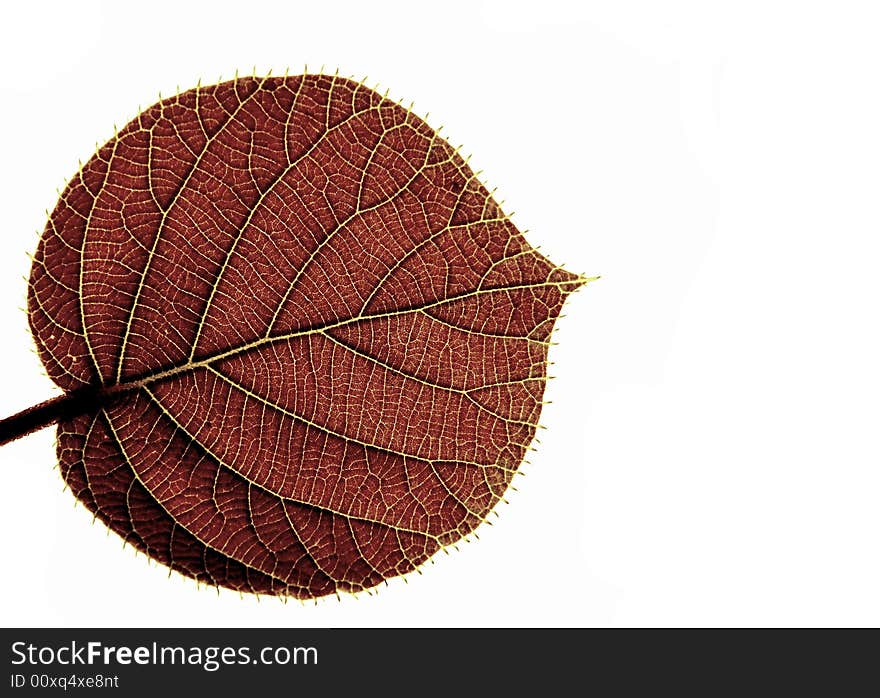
(303, 348)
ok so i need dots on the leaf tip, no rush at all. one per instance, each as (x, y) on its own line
(583, 280)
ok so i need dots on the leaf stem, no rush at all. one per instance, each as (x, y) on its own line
(71, 404)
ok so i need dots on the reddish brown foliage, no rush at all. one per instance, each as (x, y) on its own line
(325, 341)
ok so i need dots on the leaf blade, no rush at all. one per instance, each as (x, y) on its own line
(327, 342)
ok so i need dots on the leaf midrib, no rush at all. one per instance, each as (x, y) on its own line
(166, 374)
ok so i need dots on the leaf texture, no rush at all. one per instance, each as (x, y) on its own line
(326, 340)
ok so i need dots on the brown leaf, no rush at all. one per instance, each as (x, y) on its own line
(303, 347)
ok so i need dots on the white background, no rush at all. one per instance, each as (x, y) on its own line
(712, 448)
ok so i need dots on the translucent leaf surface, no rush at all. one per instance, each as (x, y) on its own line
(326, 342)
